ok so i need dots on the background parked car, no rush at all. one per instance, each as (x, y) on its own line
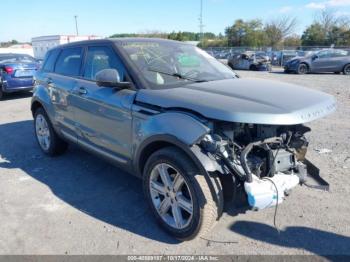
(250, 61)
(16, 73)
(328, 60)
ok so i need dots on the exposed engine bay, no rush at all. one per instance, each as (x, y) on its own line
(267, 159)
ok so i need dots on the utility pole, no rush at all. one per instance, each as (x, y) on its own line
(76, 24)
(201, 26)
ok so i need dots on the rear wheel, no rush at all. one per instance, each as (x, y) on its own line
(49, 142)
(179, 194)
(302, 69)
(1, 92)
(346, 70)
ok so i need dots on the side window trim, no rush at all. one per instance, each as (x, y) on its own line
(47, 56)
(46, 59)
(58, 55)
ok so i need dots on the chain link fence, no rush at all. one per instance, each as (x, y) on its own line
(278, 56)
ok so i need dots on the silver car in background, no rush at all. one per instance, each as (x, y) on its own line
(328, 60)
(250, 60)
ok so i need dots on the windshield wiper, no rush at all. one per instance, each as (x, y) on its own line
(176, 75)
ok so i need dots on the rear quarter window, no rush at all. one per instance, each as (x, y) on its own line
(50, 60)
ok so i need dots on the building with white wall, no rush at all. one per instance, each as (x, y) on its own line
(43, 43)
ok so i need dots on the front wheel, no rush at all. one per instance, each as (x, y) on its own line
(179, 194)
(346, 70)
(302, 69)
(49, 142)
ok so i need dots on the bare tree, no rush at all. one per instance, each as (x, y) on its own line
(344, 22)
(327, 18)
(278, 29)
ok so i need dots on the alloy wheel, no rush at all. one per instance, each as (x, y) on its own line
(347, 70)
(303, 69)
(42, 132)
(171, 196)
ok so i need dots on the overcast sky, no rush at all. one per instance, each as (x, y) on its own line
(24, 19)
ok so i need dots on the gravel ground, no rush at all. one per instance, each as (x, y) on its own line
(79, 204)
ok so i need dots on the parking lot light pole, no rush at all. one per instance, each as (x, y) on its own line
(76, 24)
(201, 26)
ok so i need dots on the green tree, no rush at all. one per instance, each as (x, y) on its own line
(314, 35)
(327, 29)
(292, 41)
(249, 33)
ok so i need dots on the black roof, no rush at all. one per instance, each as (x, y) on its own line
(116, 40)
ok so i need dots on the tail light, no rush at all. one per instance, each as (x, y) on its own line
(8, 70)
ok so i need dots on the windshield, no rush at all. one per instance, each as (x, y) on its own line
(166, 64)
(13, 58)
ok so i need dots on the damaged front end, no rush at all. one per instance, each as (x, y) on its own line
(269, 160)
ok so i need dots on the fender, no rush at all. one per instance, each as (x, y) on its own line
(174, 128)
(184, 127)
(41, 96)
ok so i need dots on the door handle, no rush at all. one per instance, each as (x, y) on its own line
(82, 91)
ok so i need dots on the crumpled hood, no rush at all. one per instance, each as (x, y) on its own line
(245, 101)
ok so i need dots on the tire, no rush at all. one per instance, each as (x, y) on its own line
(206, 207)
(52, 146)
(253, 68)
(346, 70)
(302, 69)
(230, 65)
(1, 92)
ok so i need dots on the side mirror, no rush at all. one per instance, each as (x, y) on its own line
(314, 57)
(110, 78)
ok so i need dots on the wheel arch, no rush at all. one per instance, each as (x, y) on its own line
(157, 142)
(305, 63)
(206, 166)
(35, 105)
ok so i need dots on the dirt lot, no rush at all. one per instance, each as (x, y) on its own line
(78, 204)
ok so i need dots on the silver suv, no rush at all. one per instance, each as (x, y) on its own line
(186, 124)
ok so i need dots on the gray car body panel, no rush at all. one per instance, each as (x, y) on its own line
(245, 101)
(319, 64)
(182, 126)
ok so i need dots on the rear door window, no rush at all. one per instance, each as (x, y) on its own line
(340, 53)
(69, 62)
(50, 60)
